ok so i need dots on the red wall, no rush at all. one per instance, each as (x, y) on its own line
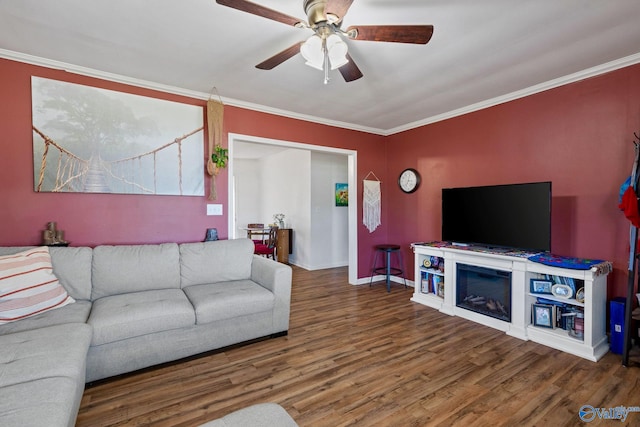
(578, 136)
(92, 219)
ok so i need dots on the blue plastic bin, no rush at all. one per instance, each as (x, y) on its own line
(617, 306)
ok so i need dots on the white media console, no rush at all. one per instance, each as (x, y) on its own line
(592, 345)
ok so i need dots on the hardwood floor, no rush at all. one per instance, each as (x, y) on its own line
(358, 356)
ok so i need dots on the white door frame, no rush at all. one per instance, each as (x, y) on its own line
(352, 158)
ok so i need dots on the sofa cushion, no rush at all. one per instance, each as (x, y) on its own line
(42, 375)
(121, 269)
(72, 266)
(217, 261)
(10, 250)
(28, 285)
(119, 317)
(43, 402)
(226, 300)
(72, 313)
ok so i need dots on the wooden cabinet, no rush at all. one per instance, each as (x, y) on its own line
(283, 246)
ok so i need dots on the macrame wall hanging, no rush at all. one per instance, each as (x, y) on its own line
(215, 113)
(371, 202)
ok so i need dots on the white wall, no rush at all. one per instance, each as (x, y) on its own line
(329, 223)
(247, 210)
(301, 185)
(285, 183)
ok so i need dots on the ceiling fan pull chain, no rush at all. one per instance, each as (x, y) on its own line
(326, 60)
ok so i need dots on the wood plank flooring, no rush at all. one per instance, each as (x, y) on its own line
(358, 356)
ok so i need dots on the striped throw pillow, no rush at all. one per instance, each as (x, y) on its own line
(28, 285)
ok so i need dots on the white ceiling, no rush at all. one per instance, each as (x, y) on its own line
(481, 53)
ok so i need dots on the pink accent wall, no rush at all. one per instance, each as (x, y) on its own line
(579, 136)
(87, 219)
(92, 219)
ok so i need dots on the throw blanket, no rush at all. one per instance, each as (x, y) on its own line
(371, 205)
(601, 266)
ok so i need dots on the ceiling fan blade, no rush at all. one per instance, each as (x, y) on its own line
(419, 34)
(256, 9)
(338, 8)
(350, 70)
(279, 58)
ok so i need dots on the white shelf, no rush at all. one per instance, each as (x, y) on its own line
(432, 271)
(595, 343)
(430, 300)
(560, 340)
(556, 299)
(555, 332)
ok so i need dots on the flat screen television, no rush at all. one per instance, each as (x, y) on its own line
(504, 216)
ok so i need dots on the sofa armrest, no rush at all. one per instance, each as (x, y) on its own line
(276, 277)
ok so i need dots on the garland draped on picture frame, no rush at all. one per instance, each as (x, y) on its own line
(215, 113)
(371, 204)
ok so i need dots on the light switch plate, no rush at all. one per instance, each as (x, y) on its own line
(214, 209)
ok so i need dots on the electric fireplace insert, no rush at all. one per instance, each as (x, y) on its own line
(484, 290)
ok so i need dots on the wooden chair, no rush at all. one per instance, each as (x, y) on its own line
(252, 232)
(268, 249)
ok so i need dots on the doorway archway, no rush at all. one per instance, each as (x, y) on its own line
(351, 155)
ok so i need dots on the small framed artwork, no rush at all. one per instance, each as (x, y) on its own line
(342, 194)
(540, 286)
(562, 291)
(543, 315)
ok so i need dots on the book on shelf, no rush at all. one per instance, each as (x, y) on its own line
(563, 314)
(438, 285)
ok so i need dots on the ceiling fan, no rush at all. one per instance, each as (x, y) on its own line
(325, 49)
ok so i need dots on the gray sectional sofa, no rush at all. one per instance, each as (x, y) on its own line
(135, 306)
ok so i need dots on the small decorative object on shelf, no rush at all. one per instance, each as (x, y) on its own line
(279, 219)
(439, 285)
(51, 236)
(578, 327)
(540, 286)
(580, 295)
(562, 291)
(544, 315)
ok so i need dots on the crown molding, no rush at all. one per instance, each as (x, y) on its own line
(561, 81)
(532, 90)
(118, 78)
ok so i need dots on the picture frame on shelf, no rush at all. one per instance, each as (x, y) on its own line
(543, 315)
(540, 286)
(562, 291)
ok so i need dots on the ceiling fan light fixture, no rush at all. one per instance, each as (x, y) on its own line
(337, 51)
(324, 51)
(311, 51)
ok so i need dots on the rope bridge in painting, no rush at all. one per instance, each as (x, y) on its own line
(94, 174)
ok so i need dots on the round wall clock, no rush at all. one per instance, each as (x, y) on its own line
(409, 180)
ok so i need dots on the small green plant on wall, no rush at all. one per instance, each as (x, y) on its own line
(219, 157)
